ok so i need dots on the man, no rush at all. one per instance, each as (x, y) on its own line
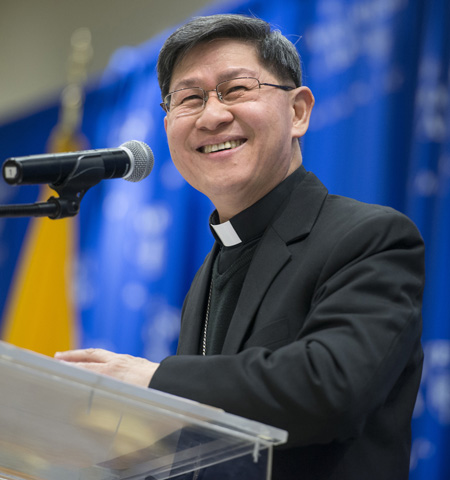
(306, 314)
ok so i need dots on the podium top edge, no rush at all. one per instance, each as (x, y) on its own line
(16, 357)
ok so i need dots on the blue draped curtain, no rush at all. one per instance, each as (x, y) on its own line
(380, 132)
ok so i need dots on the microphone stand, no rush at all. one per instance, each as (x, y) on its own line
(50, 209)
(84, 176)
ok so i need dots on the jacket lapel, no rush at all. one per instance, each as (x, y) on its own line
(292, 224)
(255, 285)
(194, 309)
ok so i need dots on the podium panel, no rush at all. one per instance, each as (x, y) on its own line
(59, 422)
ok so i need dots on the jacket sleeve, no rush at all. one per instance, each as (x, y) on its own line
(357, 347)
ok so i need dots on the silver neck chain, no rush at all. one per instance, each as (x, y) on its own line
(205, 325)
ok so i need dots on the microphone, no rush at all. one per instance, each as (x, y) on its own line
(132, 161)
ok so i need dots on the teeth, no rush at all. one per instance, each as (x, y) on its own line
(222, 146)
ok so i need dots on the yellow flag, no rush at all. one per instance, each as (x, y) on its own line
(40, 313)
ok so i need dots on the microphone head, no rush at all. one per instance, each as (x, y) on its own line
(141, 162)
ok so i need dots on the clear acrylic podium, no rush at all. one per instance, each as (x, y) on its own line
(59, 422)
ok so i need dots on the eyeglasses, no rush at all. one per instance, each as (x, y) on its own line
(191, 100)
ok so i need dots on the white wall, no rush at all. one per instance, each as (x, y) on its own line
(35, 41)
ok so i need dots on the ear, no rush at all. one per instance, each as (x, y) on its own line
(303, 105)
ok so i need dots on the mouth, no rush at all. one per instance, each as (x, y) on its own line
(217, 147)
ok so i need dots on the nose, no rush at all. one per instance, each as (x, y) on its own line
(214, 114)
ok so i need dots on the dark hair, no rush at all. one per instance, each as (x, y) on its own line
(274, 50)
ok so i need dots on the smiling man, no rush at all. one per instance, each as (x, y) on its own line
(306, 314)
(240, 142)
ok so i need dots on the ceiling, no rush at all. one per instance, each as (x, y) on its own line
(35, 41)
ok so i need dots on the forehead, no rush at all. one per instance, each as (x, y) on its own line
(215, 61)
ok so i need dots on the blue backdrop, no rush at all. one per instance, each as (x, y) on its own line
(380, 132)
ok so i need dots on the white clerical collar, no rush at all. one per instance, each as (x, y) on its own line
(227, 234)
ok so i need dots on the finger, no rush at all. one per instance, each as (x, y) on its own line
(95, 355)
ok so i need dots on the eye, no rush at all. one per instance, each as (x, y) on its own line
(194, 98)
(234, 91)
(238, 89)
(187, 98)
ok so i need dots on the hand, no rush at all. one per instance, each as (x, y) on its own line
(134, 370)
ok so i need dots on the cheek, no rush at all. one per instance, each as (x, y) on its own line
(179, 159)
(179, 155)
(175, 139)
(272, 135)
(266, 120)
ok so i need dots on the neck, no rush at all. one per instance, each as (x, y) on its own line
(230, 204)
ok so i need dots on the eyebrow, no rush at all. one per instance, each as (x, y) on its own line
(227, 75)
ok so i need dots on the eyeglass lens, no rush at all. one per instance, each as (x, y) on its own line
(191, 100)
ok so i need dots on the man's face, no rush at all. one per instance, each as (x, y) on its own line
(263, 151)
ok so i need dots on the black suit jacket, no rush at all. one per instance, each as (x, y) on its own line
(324, 341)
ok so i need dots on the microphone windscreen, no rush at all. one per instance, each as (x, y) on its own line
(143, 160)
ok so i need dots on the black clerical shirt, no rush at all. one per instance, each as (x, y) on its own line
(238, 239)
